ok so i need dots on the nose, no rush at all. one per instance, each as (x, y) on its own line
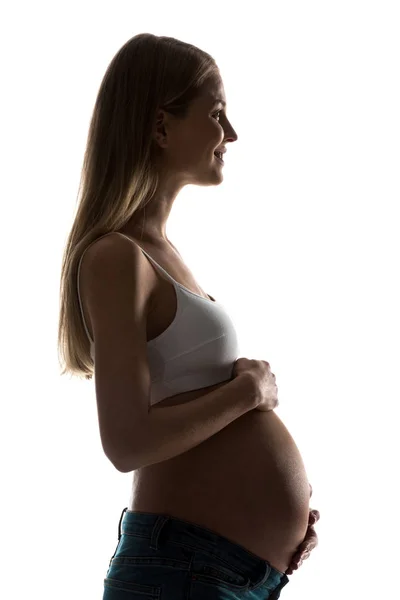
(230, 133)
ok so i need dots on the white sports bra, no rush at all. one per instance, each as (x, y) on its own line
(198, 349)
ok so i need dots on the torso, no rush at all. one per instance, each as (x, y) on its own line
(248, 482)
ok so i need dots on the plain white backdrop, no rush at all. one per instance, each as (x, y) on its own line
(300, 243)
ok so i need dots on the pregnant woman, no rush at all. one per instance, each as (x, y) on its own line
(220, 496)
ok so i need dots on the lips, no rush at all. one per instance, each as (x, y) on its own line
(220, 160)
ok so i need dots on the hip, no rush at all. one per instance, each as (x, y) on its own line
(161, 557)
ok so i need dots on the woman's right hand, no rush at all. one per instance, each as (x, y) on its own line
(260, 371)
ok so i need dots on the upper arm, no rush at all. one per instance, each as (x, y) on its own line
(116, 293)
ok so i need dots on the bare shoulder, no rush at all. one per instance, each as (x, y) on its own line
(111, 244)
(111, 256)
(114, 251)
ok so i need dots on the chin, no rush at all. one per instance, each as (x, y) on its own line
(213, 176)
(216, 180)
(217, 173)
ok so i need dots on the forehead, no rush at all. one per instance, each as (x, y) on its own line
(213, 89)
(213, 96)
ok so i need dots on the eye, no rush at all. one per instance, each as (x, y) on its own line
(217, 113)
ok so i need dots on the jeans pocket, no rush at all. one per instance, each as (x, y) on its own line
(146, 577)
(211, 572)
(117, 589)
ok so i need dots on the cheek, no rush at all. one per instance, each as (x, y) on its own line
(212, 131)
(201, 142)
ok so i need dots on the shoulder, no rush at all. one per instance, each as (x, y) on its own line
(111, 243)
(114, 254)
(113, 249)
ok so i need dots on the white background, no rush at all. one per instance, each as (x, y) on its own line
(300, 243)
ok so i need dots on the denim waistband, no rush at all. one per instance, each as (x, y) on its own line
(160, 527)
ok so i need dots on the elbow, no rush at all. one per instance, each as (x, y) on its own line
(121, 464)
(124, 464)
(120, 467)
(123, 468)
(123, 457)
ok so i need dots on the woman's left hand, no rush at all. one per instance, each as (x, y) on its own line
(308, 544)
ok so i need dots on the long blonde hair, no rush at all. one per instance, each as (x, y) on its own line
(118, 175)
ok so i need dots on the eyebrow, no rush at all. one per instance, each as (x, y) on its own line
(219, 100)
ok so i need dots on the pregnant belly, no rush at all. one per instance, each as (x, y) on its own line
(248, 483)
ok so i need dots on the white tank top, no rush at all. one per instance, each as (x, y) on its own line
(198, 349)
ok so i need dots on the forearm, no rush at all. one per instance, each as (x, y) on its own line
(173, 430)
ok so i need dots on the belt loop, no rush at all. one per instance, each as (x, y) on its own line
(120, 521)
(156, 531)
(119, 534)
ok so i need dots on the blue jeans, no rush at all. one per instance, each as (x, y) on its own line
(162, 558)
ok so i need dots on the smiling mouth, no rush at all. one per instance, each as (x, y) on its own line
(218, 156)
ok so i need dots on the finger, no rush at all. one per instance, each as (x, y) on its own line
(296, 565)
(297, 558)
(316, 514)
(313, 517)
(292, 567)
(311, 538)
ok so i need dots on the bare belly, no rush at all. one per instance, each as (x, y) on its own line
(248, 483)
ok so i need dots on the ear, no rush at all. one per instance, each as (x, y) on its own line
(160, 129)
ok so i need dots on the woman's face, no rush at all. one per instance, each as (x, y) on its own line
(191, 142)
